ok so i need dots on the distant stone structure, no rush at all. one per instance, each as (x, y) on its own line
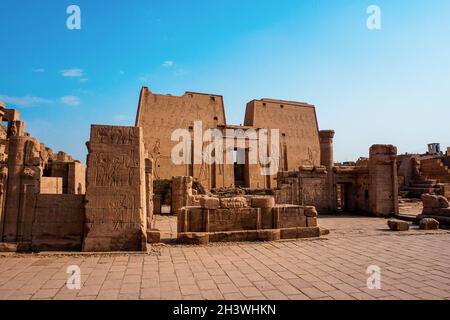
(427, 173)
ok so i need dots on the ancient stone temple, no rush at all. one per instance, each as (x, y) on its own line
(307, 174)
(161, 115)
(116, 214)
(276, 176)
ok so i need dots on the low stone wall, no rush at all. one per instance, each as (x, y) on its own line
(245, 219)
(58, 223)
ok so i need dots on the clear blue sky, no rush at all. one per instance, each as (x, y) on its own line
(387, 86)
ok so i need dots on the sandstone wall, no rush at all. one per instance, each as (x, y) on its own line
(383, 192)
(435, 169)
(58, 223)
(160, 115)
(116, 217)
(298, 127)
(51, 185)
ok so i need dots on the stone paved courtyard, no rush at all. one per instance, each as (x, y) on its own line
(414, 265)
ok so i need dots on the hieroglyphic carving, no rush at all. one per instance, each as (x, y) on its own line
(113, 135)
(115, 193)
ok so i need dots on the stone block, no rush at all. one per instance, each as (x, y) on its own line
(8, 247)
(310, 232)
(153, 236)
(209, 202)
(267, 218)
(193, 238)
(233, 203)
(398, 225)
(311, 221)
(429, 224)
(291, 216)
(230, 236)
(443, 202)
(263, 202)
(310, 212)
(288, 233)
(269, 235)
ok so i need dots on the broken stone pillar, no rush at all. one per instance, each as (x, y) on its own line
(383, 190)
(116, 218)
(181, 193)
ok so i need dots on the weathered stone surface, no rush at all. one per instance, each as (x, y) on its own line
(291, 216)
(153, 236)
(431, 201)
(429, 224)
(58, 222)
(311, 221)
(233, 203)
(181, 193)
(300, 233)
(209, 202)
(269, 235)
(116, 217)
(191, 238)
(443, 202)
(311, 212)
(310, 232)
(8, 247)
(263, 202)
(383, 183)
(398, 225)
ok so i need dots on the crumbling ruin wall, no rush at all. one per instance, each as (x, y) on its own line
(26, 168)
(115, 190)
(309, 186)
(245, 219)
